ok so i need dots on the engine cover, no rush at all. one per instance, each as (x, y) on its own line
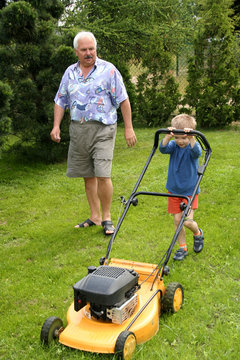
(107, 286)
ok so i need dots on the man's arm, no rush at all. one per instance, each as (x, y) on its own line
(58, 115)
(127, 117)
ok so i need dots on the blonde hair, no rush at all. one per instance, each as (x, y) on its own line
(184, 121)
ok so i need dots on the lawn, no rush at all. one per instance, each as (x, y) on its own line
(42, 255)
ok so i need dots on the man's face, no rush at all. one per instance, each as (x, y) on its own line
(181, 140)
(86, 52)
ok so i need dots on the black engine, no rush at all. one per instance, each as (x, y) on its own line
(106, 288)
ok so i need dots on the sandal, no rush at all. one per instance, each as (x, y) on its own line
(82, 225)
(108, 226)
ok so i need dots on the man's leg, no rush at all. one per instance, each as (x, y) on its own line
(105, 192)
(91, 189)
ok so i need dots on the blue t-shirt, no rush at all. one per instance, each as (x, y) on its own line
(95, 97)
(183, 166)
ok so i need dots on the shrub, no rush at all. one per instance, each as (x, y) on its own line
(5, 121)
(213, 75)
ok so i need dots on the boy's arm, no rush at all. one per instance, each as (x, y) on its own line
(192, 141)
(167, 138)
(196, 150)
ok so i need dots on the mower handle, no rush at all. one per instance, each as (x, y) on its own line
(196, 133)
(203, 141)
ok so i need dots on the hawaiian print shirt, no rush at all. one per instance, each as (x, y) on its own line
(95, 97)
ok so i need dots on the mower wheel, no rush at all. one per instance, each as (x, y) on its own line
(173, 298)
(50, 329)
(125, 345)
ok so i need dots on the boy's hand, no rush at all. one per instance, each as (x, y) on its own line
(168, 137)
(171, 133)
(191, 137)
(187, 129)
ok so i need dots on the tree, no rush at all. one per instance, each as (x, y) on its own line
(236, 15)
(157, 91)
(32, 61)
(213, 75)
(143, 32)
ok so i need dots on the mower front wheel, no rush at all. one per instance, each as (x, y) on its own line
(125, 345)
(50, 329)
(173, 298)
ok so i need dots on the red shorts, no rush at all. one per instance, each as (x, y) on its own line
(174, 204)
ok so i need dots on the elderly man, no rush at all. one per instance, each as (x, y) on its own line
(93, 89)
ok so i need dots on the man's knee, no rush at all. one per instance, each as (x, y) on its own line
(104, 179)
(104, 183)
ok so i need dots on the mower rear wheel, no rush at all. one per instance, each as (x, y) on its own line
(125, 345)
(50, 329)
(173, 298)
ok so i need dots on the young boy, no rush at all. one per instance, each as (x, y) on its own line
(182, 177)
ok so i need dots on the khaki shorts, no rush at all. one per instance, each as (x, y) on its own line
(90, 150)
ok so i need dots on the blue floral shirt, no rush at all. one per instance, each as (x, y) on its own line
(96, 97)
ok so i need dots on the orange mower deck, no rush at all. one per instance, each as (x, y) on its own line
(88, 334)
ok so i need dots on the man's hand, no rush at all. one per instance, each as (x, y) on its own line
(130, 137)
(58, 115)
(55, 134)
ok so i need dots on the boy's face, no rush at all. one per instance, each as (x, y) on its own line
(181, 140)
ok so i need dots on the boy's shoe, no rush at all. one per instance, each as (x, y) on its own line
(180, 254)
(198, 242)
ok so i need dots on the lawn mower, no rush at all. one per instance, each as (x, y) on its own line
(118, 303)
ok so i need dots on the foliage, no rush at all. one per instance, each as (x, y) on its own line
(32, 60)
(5, 121)
(156, 102)
(124, 27)
(36, 47)
(157, 91)
(213, 89)
(236, 15)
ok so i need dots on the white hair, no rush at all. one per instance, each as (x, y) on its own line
(81, 35)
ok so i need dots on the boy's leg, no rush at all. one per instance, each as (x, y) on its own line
(181, 237)
(190, 223)
(182, 252)
(197, 232)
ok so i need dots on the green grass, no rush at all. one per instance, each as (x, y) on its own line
(42, 255)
